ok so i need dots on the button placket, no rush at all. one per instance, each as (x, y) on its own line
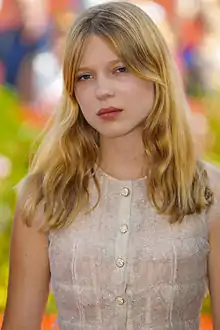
(121, 245)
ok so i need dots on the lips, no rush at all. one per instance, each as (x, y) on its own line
(105, 111)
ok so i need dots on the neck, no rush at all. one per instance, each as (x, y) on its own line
(123, 157)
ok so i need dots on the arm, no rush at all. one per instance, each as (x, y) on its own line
(28, 278)
(214, 272)
(214, 239)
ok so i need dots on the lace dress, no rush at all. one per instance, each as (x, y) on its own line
(124, 267)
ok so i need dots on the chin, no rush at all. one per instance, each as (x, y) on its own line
(114, 134)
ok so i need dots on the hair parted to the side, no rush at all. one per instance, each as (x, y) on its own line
(59, 175)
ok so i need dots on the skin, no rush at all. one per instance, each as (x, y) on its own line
(214, 269)
(29, 276)
(104, 81)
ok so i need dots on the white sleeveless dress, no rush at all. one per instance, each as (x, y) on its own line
(124, 267)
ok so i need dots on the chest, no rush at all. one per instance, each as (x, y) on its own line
(130, 240)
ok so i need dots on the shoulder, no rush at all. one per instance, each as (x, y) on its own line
(18, 188)
(30, 204)
(213, 173)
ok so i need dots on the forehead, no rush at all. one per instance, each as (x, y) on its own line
(97, 50)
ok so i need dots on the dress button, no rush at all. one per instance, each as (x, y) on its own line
(124, 229)
(120, 300)
(125, 192)
(120, 263)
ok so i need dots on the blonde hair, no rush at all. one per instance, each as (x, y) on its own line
(60, 172)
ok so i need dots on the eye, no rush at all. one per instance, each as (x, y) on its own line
(86, 76)
(120, 69)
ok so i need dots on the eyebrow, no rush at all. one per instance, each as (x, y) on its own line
(84, 68)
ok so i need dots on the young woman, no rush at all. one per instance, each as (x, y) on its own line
(117, 211)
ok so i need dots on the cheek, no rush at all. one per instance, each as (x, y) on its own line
(147, 88)
(86, 105)
(83, 98)
(150, 94)
(143, 92)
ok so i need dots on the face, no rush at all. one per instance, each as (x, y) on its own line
(113, 100)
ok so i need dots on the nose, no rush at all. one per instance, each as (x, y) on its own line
(104, 88)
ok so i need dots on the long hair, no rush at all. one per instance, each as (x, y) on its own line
(59, 175)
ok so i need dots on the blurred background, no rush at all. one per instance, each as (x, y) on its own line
(32, 35)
